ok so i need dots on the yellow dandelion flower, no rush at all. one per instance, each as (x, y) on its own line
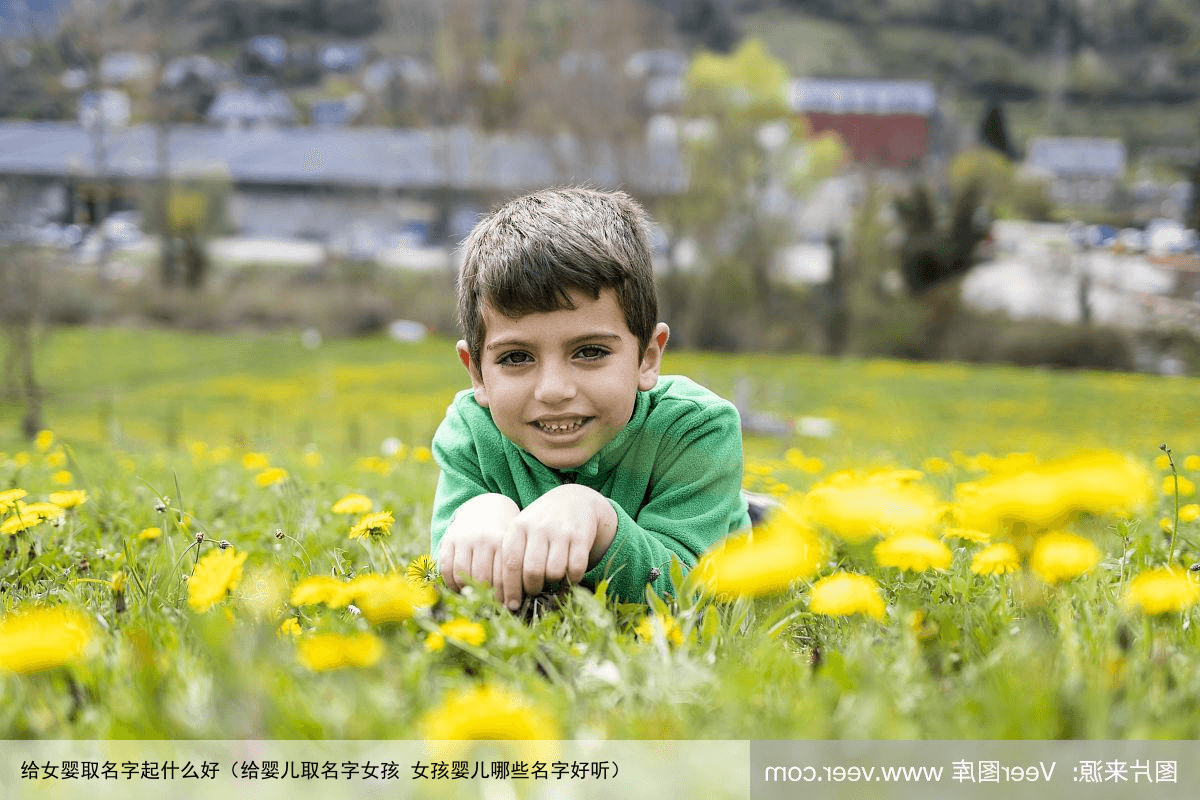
(914, 552)
(389, 598)
(28, 515)
(1192, 463)
(255, 461)
(423, 569)
(62, 478)
(1059, 556)
(21, 459)
(56, 459)
(968, 535)
(1047, 495)
(43, 638)
(271, 476)
(377, 524)
(220, 454)
(463, 630)
(215, 576)
(1160, 591)
(996, 559)
(762, 561)
(149, 533)
(311, 459)
(332, 651)
(1165, 524)
(857, 507)
(1186, 487)
(435, 642)
(669, 626)
(1189, 513)
(353, 504)
(1162, 461)
(845, 593)
(198, 451)
(44, 441)
(321, 589)
(9, 498)
(936, 466)
(488, 712)
(380, 466)
(289, 627)
(68, 499)
(422, 455)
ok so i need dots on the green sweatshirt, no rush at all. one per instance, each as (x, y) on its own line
(673, 476)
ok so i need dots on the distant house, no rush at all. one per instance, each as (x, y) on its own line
(1081, 171)
(247, 107)
(885, 123)
(341, 57)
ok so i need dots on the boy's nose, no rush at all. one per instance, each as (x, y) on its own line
(554, 385)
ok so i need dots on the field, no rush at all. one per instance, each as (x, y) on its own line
(199, 578)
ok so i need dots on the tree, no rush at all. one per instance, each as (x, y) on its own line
(742, 142)
(939, 249)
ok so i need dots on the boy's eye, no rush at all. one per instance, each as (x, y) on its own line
(514, 357)
(592, 352)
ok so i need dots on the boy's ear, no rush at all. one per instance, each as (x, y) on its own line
(464, 355)
(652, 358)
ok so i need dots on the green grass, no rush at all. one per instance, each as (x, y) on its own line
(140, 416)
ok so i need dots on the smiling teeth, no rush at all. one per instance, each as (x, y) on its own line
(549, 428)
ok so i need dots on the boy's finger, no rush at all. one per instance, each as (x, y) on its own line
(536, 551)
(498, 574)
(483, 562)
(577, 562)
(446, 566)
(556, 559)
(512, 558)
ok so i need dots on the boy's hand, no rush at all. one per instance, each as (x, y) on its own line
(560, 535)
(472, 545)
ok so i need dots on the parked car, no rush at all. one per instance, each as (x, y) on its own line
(1101, 235)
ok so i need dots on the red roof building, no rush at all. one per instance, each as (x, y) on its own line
(884, 123)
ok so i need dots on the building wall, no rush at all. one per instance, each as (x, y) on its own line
(895, 140)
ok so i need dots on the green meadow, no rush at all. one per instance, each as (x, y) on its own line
(196, 581)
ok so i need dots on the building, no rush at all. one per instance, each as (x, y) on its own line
(1082, 172)
(315, 182)
(884, 123)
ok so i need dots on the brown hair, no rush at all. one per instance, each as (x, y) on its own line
(528, 254)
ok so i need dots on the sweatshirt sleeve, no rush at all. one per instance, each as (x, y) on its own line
(693, 500)
(456, 452)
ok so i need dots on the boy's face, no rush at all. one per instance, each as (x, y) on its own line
(562, 384)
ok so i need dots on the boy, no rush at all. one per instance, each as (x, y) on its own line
(569, 458)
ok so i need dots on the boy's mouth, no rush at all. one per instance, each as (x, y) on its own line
(560, 427)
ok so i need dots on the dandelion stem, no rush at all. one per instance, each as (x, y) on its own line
(307, 557)
(1175, 526)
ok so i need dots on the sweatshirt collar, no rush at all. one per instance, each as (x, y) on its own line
(607, 456)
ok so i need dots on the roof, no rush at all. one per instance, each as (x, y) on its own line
(1078, 157)
(457, 158)
(249, 105)
(838, 96)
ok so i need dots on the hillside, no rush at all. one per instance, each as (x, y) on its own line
(1125, 68)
